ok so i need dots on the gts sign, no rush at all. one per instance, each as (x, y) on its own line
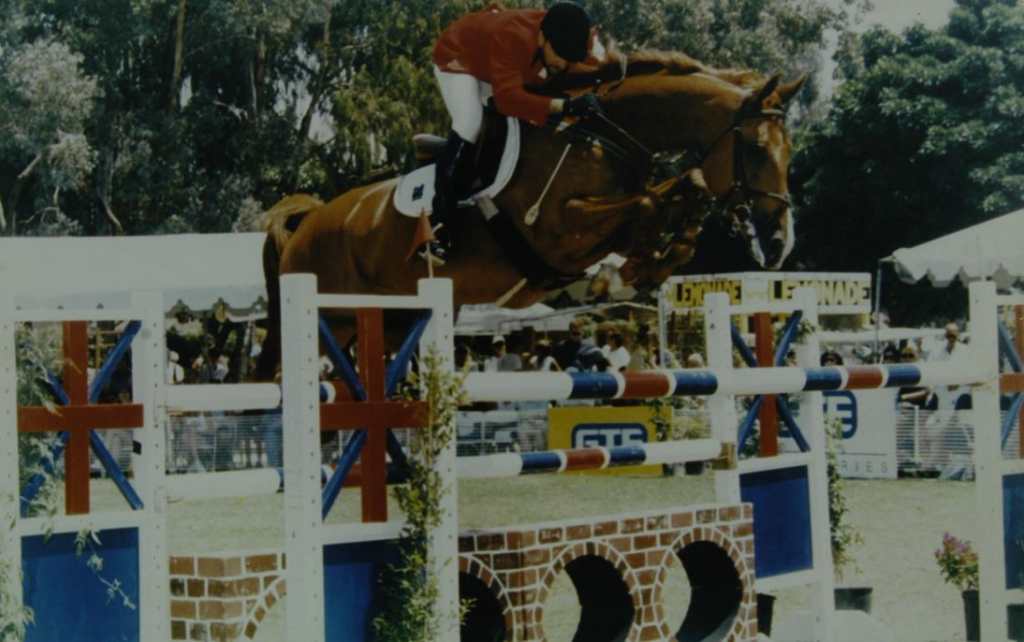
(608, 435)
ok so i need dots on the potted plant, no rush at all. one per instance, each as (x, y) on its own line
(958, 563)
(844, 536)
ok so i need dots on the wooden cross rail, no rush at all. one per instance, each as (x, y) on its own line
(376, 415)
(78, 418)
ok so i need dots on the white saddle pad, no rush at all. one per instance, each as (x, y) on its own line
(415, 190)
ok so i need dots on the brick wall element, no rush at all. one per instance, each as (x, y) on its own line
(621, 563)
(222, 597)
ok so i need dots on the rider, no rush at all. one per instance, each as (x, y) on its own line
(498, 51)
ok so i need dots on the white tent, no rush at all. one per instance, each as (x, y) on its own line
(490, 319)
(993, 249)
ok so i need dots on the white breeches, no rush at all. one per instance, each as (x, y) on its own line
(464, 97)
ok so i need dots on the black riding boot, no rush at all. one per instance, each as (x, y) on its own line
(453, 181)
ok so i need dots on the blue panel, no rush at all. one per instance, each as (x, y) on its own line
(782, 520)
(827, 378)
(1013, 535)
(594, 385)
(695, 382)
(69, 601)
(351, 573)
(903, 375)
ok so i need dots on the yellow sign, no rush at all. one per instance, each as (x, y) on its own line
(605, 426)
(830, 292)
(838, 292)
(690, 294)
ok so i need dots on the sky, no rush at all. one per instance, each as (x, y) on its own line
(896, 15)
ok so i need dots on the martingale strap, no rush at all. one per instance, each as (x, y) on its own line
(538, 272)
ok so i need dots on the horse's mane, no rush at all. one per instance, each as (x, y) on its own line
(618, 65)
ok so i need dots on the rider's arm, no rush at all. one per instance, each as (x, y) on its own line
(509, 65)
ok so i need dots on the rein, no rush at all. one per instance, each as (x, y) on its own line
(644, 164)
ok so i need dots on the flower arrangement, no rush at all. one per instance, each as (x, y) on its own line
(958, 562)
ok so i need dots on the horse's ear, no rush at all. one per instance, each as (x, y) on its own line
(789, 89)
(767, 89)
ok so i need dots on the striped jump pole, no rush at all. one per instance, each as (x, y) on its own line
(652, 384)
(577, 459)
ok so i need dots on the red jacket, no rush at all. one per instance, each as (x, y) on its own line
(499, 47)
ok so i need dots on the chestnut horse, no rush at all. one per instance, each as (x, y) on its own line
(677, 139)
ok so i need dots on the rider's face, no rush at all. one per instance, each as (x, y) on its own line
(554, 63)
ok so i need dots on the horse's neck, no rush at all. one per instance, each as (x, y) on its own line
(672, 113)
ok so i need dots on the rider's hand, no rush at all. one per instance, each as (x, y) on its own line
(583, 106)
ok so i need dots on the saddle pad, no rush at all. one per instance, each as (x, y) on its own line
(415, 190)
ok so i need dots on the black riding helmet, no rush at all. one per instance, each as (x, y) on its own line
(566, 25)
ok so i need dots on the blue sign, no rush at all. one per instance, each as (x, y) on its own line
(608, 435)
(842, 404)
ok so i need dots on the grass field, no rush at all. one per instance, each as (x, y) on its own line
(902, 523)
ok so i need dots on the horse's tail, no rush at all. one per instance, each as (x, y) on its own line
(280, 221)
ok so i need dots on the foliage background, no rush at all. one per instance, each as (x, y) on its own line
(152, 116)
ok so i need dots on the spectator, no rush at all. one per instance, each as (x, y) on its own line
(618, 358)
(640, 357)
(542, 359)
(601, 339)
(502, 361)
(695, 360)
(175, 373)
(567, 349)
(913, 395)
(890, 354)
(589, 358)
(831, 358)
(953, 349)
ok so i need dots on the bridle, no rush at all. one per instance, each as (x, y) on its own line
(740, 183)
(645, 165)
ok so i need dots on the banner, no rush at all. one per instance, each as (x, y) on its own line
(838, 292)
(868, 449)
(606, 427)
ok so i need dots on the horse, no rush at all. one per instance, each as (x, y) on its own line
(677, 140)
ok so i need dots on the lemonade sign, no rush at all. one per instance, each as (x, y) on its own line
(838, 292)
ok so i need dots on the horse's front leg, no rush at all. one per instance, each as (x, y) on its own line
(686, 200)
(601, 209)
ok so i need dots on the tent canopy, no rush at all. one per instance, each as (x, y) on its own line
(992, 249)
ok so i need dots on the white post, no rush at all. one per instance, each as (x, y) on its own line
(721, 405)
(148, 389)
(10, 542)
(663, 313)
(988, 459)
(301, 425)
(813, 422)
(444, 543)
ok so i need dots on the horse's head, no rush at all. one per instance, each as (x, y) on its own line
(746, 165)
(730, 126)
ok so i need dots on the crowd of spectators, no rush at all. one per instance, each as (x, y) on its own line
(607, 347)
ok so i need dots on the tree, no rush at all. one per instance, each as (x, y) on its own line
(201, 107)
(921, 140)
(45, 101)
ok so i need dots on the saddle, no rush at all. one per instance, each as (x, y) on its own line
(496, 163)
(498, 157)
